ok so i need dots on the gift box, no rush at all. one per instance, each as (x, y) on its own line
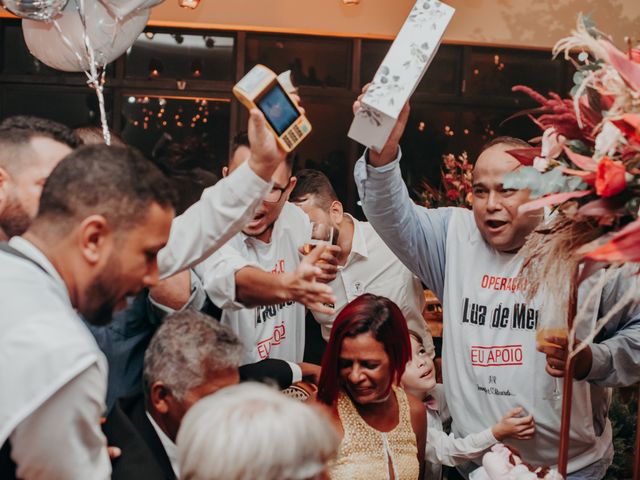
(400, 72)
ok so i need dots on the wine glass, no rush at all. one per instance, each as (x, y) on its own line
(320, 233)
(553, 324)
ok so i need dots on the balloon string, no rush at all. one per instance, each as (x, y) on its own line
(94, 79)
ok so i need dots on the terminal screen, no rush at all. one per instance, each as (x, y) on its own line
(278, 108)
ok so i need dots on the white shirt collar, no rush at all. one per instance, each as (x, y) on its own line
(169, 446)
(358, 243)
(30, 250)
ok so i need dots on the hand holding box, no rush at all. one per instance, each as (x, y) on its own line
(400, 72)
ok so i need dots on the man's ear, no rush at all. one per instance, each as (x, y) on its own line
(158, 396)
(292, 185)
(95, 238)
(225, 171)
(4, 186)
(336, 212)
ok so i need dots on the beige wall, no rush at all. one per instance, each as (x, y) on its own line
(530, 23)
(526, 23)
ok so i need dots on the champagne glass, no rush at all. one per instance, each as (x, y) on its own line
(320, 233)
(553, 323)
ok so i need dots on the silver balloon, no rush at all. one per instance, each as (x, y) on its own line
(40, 10)
(61, 44)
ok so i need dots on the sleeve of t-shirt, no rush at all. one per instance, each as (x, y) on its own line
(217, 274)
(451, 451)
(62, 439)
(221, 212)
(416, 235)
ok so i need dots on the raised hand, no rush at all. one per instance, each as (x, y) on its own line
(266, 154)
(390, 150)
(303, 285)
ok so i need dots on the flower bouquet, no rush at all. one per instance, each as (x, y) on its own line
(456, 184)
(587, 164)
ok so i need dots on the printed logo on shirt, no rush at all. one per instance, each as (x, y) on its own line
(279, 267)
(264, 346)
(267, 312)
(496, 356)
(516, 317)
(512, 284)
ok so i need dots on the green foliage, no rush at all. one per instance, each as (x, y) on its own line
(622, 414)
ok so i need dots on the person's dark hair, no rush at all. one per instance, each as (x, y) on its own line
(44, 127)
(416, 336)
(15, 149)
(505, 140)
(366, 314)
(115, 182)
(94, 136)
(316, 183)
(241, 139)
(183, 164)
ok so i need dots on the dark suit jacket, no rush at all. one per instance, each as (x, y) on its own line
(143, 456)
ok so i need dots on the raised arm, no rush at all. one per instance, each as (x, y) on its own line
(415, 234)
(233, 282)
(224, 208)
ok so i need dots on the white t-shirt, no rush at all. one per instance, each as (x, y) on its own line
(489, 345)
(272, 331)
(373, 268)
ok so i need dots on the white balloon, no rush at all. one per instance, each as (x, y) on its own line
(122, 8)
(109, 37)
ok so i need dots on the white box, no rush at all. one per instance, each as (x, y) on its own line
(400, 72)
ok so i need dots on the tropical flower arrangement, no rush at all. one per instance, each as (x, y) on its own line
(587, 164)
(456, 184)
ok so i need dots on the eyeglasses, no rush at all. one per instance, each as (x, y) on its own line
(275, 194)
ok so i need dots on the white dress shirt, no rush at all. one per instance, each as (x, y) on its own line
(372, 268)
(53, 375)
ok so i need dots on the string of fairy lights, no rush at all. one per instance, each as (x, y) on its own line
(154, 113)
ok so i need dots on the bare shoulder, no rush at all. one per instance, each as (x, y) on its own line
(417, 409)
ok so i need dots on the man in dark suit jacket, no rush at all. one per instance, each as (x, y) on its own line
(191, 355)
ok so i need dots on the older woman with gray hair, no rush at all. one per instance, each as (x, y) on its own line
(250, 431)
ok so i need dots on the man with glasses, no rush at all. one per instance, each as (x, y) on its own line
(256, 280)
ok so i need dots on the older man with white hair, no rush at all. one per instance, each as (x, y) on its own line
(251, 431)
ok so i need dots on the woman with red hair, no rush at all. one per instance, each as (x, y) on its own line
(383, 428)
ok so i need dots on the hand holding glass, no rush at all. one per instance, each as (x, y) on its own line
(320, 233)
(553, 324)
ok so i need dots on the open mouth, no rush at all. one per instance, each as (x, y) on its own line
(495, 224)
(257, 218)
(427, 373)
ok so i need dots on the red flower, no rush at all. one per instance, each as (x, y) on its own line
(452, 194)
(610, 177)
(629, 124)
